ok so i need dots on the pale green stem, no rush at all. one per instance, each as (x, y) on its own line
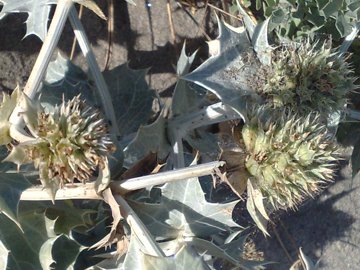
(62, 10)
(210, 115)
(70, 191)
(180, 126)
(139, 229)
(95, 70)
(37, 73)
(87, 191)
(167, 177)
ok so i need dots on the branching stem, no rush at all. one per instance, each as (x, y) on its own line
(180, 126)
(95, 70)
(87, 191)
(139, 229)
(166, 177)
(51, 40)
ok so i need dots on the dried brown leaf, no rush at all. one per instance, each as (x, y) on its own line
(116, 233)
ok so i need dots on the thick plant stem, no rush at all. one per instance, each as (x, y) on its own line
(71, 191)
(139, 229)
(180, 126)
(51, 40)
(212, 114)
(95, 70)
(87, 191)
(166, 177)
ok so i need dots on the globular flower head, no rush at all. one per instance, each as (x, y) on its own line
(288, 157)
(70, 142)
(306, 77)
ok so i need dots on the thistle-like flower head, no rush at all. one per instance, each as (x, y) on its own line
(70, 142)
(307, 77)
(289, 157)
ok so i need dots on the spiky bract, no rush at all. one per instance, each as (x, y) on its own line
(6, 108)
(306, 77)
(289, 157)
(70, 142)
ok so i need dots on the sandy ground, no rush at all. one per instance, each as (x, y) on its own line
(326, 228)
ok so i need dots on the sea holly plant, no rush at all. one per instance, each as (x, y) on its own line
(74, 192)
(282, 108)
(299, 19)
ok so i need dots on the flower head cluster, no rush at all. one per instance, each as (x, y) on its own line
(306, 77)
(288, 157)
(70, 142)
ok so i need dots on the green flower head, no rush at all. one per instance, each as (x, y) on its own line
(70, 142)
(305, 77)
(288, 157)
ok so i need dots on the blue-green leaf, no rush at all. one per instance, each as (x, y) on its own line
(11, 187)
(186, 258)
(131, 96)
(225, 72)
(183, 210)
(65, 80)
(38, 14)
(149, 139)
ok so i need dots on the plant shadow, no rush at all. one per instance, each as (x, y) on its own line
(316, 226)
(143, 43)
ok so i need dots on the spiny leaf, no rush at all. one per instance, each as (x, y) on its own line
(38, 229)
(225, 73)
(132, 260)
(64, 81)
(255, 207)
(186, 258)
(23, 255)
(58, 252)
(117, 217)
(131, 97)
(90, 4)
(184, 211)
(38, 14)
(184, 98)
(67, 216)
(250, 25)
(230, 252)
(11, 187)
(261, 44)
(149, 139)
(305, 261)
(309, 265)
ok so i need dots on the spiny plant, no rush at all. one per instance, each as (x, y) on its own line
(67, 143)
(292, 80)
(162, 220)
(307, 77)
(308, 19)
(288, 157)
(67, 150)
